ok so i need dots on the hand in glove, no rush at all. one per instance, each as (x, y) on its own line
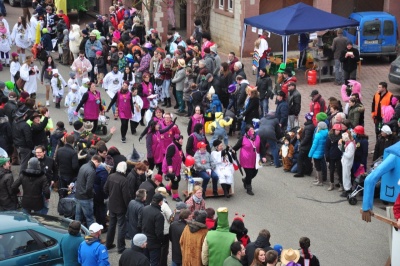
(81, 156)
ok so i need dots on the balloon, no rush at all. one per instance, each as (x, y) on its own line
(189, 161)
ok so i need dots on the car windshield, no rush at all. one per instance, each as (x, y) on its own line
(372, 28)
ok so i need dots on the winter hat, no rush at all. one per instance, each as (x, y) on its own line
(207, 50)
(216, 143)
(34, 164)
(359, 130)
(78, 125)
(190, 52)
(214, 48)
(278, 248)
(200, 216)
(121, 167)
(232, 88)
(201, 145)
(386, 129)
(181, 206)
(309, 116)
(109, 161)
(85, 32)
(14, 54)
(139, 239)
(24, 95)
(322, 125)
(45, 30)
(98, 53)
(313, 93)
(394, 100)
(72, 74)
(85, 80)
(158, 177)
(282, 68)
(2, 85)
(337, 126)
(3, 160)
(321, 116)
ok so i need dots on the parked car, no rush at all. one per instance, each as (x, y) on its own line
(32, 239)
(394, 73)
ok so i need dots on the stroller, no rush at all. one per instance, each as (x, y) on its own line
(359, 182)
(66, 204)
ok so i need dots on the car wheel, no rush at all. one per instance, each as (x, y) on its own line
(12, 2)
(391, 57)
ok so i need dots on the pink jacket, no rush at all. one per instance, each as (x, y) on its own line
(81, 67)
(356, 89)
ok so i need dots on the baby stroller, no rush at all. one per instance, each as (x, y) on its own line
(359, 183)
(66, 204)
(102, 125)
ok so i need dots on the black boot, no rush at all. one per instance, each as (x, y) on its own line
(176, 106)
(168, 102)
(224, 188)
(250, 190)
(165, 102)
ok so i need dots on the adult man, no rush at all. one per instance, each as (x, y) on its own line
(78, 129)
(237, 252)
(135, 178)
(262, 241)
(338, 45)
(112, 82)
(91, 47)
(238, 70)
(117, 189)
(175, 233)
(10, 108)
(134, 213)
(152, 224)
(262, 51)
(22, 136)
(209, 60)
(84, 190)
(385, 139)
(271, 257)
(85, 37)
(303, 41)
(50, 21)
(294, 101)
(216, 245)
(91, 251)
(232, 59)
(304, 165)
(150, 186)
(8, 200)
(349, 58)
(69, 244)
(264, 87)
(135, 256)
(217, 60)
(35, 187)
(269, 132)
(382, 97)
(82, 66)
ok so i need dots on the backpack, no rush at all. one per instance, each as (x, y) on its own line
(42, 55)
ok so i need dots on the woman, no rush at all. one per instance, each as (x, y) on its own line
(91, 100)
(154, 144)
(361, 153)
(225, 79)
(194, 138)
(205, 168)
(189, 79)
(168, 214)
(165, 72)
(224, 167)
(137, 108)
(168, 136)
(249, 145)
(39, 136)
(355, 111)
(306, 257)
(333, 155)
(317, 150)
(46, 75)
(347, 145)
(29, 73)
(251, 106)
(346, 91)
(21, 36)
(179, 81)
(146, 90)
(195, 201)
(124, 108)
(171, 166)
(259, 257)
(14, 67)
(129, 76)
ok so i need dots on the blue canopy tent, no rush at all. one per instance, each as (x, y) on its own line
(295, 19)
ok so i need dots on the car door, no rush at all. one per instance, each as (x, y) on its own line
(22, 248)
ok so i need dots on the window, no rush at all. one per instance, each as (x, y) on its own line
(230, 5)
(372, 28)
(221, 4)
(46, 240)
(388, 28)
(224, 7)
(16, 244)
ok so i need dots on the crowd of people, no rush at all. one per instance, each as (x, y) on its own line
(116, 60)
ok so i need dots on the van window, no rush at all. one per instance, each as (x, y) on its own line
(352, 31)
(372, 28)
(388, 28)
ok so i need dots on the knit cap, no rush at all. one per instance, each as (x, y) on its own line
(121, 167)
(309, 116)
(321, 116)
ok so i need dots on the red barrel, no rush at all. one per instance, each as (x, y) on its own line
(312, 77)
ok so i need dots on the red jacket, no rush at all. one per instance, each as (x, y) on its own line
(317, 105)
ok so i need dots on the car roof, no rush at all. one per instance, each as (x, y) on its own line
(377, 14)
(13, 220)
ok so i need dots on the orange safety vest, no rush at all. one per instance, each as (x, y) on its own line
(383, 101)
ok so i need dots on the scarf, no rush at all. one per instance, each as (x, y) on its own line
(196, 199)
(199, 137)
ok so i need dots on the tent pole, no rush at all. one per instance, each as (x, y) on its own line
(243, 37)
(358, 39)
(284, 48)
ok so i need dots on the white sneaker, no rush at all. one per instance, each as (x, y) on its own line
(54, 99)
(47, 103)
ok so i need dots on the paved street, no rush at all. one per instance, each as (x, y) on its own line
(289, 208)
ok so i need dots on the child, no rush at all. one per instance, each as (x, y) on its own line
(99, 67)
(210, 221)
(215, 104)
(14, 67)
(57, 85)
(137, 107)
(72, 80)
(71, 101)
(5, 44)
(121, 62)
(153, 104)
(347, 145)
(287, 152)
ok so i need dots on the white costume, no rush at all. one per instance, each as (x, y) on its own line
(5, 24)
(71, 82)
(33, 24)
(347, 162)
(71, 101)
(137, 116)
(75, 39)
(112, 82)
(21, 37)
(5, 46)
(14, 68)
(31, 75)
(57, 85)
(223, 168)
(153, 104)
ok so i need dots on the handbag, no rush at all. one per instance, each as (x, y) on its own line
(20, 83)
(258, 161)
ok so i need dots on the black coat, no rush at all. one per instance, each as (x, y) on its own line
(35, 186)
(261, 242)
(264, 87)
(67, 162)
(133, 216)
(294, 101)
(349, 64)
(10, 108)
(307, 136)
(5, 134)
(83, 43)
(251, 110)
(8, 199)
(241, 95)
(282, 113)
(117, 190)
(133, 257)
(134, 182)
(150, 188)
(332, 151)
(39, 136)
(84, 181)
(49, 168)
(175, 233)
(240, 72)
(152, 224)
(22, 134)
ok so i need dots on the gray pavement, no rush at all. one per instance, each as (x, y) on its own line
(289, 208)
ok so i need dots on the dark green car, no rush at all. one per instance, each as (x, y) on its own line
(32, 239)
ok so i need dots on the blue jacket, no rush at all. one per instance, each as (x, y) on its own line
(92, 252)
(99, 182)
(69, 245)
(282, 113)
(88, 48)
(46, 42)
(317, 150)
